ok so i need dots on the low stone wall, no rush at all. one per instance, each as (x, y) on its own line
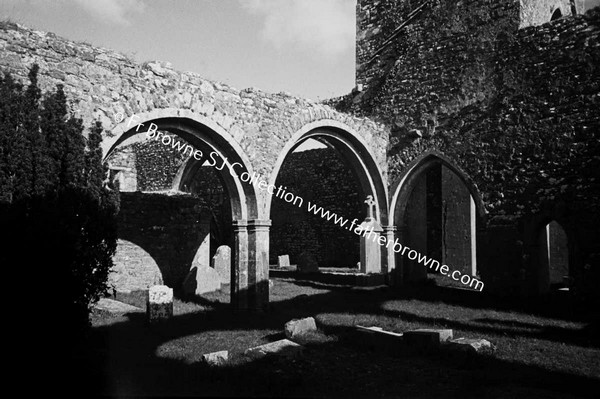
(158, 239)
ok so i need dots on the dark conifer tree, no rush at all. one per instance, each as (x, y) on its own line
(62, 218)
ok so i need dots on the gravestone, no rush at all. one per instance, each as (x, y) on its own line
(468, 345)
(427, 338)
(221, 262)
(283, 260)
(216, 358)
(298, 327)
(283, 347)
(307, 263)
(200, 280)
(159, 304)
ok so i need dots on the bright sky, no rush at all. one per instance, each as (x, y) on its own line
(305, 47)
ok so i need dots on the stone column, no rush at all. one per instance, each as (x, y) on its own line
(239, 275)
(258, 264)
(397, 274)
(370, 246)
(388, 257)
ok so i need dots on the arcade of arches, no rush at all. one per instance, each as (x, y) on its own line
(440, 126)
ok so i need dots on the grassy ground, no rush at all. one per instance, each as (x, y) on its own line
(547, 349)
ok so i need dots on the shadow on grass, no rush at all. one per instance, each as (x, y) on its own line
(130, 358)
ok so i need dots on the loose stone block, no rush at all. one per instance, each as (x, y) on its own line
(297, 327)
(283, 260)
(159, 306)
(468, 345)
(426, 338)
(216, 358)
(112, 306)
(378, 338)
(307, 263)
(222, 263)
(283, 347)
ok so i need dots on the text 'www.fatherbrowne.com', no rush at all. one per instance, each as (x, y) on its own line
(215, 159)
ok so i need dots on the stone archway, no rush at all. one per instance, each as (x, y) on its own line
(353, 149)
(249, 289)
(436, 209)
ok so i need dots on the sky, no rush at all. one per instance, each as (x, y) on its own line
(304, 47)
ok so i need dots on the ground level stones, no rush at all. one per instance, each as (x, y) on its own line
(378, 338)
(298, 327)
(468, 345)
(215, 358)
(221, 262)
(426, 339)
(307, 263)
(159, 305)
(283, 347)
(115, 307)
(283, 261)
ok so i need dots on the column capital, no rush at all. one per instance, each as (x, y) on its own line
(239, 225)
(259, 223)
(390, 228)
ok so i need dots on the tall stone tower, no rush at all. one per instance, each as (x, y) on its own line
(384, 27)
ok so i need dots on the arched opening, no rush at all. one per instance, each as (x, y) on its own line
(554, 273)
(436, 211)
(134, 269)
(317, 172)
(330, 168)
(199, 202)
(556, 15)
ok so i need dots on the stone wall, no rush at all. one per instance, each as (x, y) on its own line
(319, 176)
(100, 83)
(538, 12)
(122, 167)
(158, 238)
(516, 109)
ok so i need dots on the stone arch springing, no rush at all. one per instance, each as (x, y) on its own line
(353, 149)
(409, 214)
(249, 282)
(205, 135)
(556, 14)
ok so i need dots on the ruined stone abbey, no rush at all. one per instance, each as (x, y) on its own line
(474, 125)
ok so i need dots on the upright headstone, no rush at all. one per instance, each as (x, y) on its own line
(221, 262)
(200, 280)
(159, 306)
(307, 263)
(283, 260)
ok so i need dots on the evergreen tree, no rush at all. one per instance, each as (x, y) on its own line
(63, 220)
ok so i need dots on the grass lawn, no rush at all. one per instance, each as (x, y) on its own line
(548, 349)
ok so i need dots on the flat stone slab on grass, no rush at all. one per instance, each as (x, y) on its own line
(378, 338)
(216, 358)
(426, 338)
(283, 347)
(298, 327)
(117, 307)
(470, 345)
